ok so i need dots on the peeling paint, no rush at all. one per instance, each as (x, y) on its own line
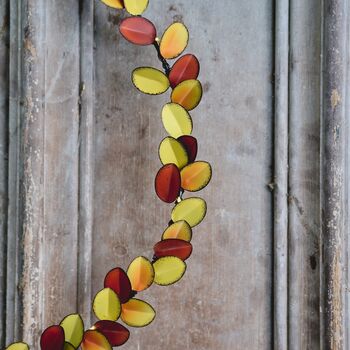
(335, 98)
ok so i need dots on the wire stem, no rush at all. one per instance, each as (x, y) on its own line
(165, 64)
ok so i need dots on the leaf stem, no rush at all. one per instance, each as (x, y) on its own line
(165, 64)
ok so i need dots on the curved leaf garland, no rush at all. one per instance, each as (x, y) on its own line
(179, 173)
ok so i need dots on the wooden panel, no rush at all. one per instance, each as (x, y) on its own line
(280, 179)
(83, 156)
(335, 176)
(224, 301)
(61, 146)
(44, 145)
(304, 145)
(4, 91)
(13, 248)
(86, 161)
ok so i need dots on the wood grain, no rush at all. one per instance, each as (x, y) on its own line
(47, 130)
(4, 98)
(304, 146)
(77, 195)
(280, 180)
(224, 300)
(86, 159)
(14, 256)
(335, 176)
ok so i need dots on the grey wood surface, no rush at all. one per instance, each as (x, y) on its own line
(78, 156)
(225, 295)
(44, 125)
(14, 252)
(279, 183)
(335, 176)
(303, 196)
(4, 62)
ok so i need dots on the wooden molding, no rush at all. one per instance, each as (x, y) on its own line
(335, 176)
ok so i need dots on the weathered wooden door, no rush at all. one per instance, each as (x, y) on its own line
(78, 156)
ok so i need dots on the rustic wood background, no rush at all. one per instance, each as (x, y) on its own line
(78, 156)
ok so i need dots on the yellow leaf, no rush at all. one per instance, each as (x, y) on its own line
(117, 4)
(172, 151)
(73, 326)
(168, 270)
(18, 346)
(192, 210)
(106, 305)
(176, 120)
(150, 80)
(135, 7)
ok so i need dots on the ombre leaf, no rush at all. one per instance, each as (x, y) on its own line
(180, 230)
(174, 40)
(140, 273)
(137, 313)
(188, 94)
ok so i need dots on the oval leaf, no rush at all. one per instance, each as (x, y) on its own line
(52, 338)
(95, 340)
(68, 346)
(115, 333)
(180, 230)
(135, 7)
(174, 40)
(172, 151)
(140, 273)
(106, 305)
(188, 94)
(18, 346)
(117, 4)
(176, 120)
(195, 176)
(138, 30)
(167, 183)
(137, 313)
(192, 210)
(119, 282)
(73, 327)
(191, 146)
(150, 80)
(168, 270)
(173, 247)
(185, 68)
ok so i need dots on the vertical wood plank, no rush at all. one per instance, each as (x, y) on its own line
(86, 158)
(334, 174)
(280, 182)
(304, 145)
(44, 156)
(4, 100)
(224, 300)
(61, 162)
(13, 249)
